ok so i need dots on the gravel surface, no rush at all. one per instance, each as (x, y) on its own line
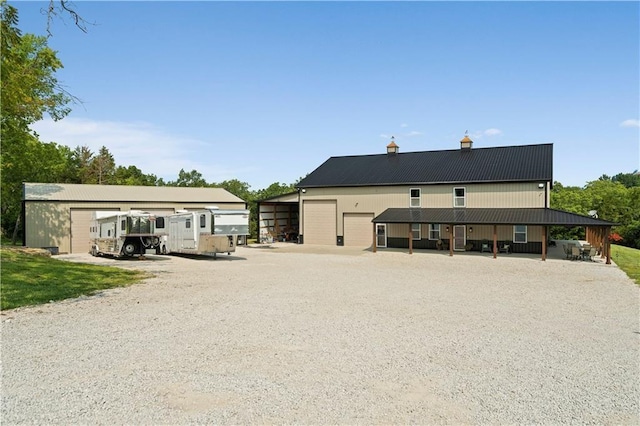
(297, 334)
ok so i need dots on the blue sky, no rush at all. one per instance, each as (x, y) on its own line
(265, 92)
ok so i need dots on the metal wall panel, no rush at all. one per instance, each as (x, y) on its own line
(319, 222)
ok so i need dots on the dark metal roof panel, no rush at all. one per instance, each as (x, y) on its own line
(497, 164)
(488, 216)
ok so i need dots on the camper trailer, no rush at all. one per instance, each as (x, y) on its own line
(123, 234)
(204, 232)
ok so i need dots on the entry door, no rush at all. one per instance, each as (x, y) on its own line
(381, 235)
(459, 237)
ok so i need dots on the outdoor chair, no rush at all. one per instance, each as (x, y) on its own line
(575, 253)
(485, 247)
(593, 252)
(505, 248)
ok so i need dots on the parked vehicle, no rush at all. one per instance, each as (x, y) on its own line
(204, 232)
(123, 234)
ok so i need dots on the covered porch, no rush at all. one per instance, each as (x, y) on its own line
(490, 222)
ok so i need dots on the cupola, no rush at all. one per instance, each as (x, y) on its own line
(465, 143)
(392, 148)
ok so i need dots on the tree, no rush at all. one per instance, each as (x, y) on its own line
(133, 176)
(190, 179)
(237, 188)
(103, 167)
(30, 89)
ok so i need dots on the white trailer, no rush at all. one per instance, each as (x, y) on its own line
(123, 234)
(204, 232)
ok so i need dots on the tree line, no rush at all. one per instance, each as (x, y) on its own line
(30, 90)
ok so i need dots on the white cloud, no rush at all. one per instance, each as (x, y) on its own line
(493, 132)
(413, 133)
(630, 123)
(140, 144)
(384, 136)
(404, 125)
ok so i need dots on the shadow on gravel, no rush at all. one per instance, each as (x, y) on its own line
(203, 258)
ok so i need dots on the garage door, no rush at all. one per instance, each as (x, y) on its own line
(80, 224)
(319, 222)
(358, 229)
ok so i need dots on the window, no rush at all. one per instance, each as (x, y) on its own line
(187, 223)
(123, 225)
(434, 231)
(520, 234)
(414, 197)
(459, 195)
(160, 222)
(203, 221)
(415, 231)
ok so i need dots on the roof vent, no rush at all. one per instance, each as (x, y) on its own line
(466, 142)
(392, 148)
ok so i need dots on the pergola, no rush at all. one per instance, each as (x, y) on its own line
(597, 231)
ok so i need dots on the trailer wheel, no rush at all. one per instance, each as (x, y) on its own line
(129, 248)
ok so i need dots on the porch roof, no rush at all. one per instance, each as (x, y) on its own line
(488, 216)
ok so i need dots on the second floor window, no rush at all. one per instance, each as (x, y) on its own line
(203, 221)
(187, 223)
(459, 197)
(414, 197)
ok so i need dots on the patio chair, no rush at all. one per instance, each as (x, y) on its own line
(505, 248)
(485, 246)
(575, 253)
(593, 252)
(567, 251)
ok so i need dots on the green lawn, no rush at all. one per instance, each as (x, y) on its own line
(628, 260)
(29, 279)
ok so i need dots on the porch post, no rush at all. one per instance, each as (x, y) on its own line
(375, 248)
(410, 241)
(450, 240)
(607, 244)
(495, 241)
(544, 243)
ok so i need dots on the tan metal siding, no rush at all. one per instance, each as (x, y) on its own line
(358, 229)
(80, 235)
(48, 223)
(320, 222)
(377, 199)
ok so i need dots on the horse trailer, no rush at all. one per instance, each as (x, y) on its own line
(123, 234)
(204, 232)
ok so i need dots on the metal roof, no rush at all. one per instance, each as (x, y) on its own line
(78, 192)
(488, 216)
(496, 164)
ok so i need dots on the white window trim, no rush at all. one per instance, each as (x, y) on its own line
(419, 232)
(432, 227)
(526, 234)
(464, 197)
(419, 197)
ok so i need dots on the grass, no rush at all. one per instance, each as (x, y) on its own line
(627, 259)
(29, 279)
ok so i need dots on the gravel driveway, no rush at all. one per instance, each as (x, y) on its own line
(297, 334)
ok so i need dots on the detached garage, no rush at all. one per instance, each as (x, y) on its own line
(58, 216)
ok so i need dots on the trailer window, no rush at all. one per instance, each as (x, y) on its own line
(187, 223)
(123, 225)
(160, 222)
(203, 221)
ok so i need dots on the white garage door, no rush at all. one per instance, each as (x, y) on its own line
(319, 222)
(358, 229)
(80, 224)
